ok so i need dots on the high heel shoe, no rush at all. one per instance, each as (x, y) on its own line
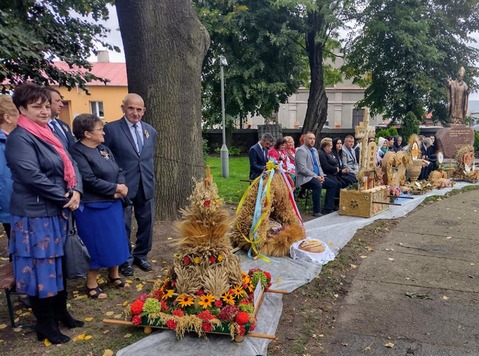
(67, 320)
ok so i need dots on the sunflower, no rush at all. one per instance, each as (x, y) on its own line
(228, 298)
(237, 291)
(185, 300)
(168, 293)
(206, 300)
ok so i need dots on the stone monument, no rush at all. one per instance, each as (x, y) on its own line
(453, 138)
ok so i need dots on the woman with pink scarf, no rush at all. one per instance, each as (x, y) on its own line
(46, 188)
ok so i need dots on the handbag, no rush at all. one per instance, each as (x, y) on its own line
(76, 257)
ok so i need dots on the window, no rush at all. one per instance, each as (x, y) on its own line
(358, 116)
(96, 108)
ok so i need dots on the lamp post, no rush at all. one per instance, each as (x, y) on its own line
(224, 154)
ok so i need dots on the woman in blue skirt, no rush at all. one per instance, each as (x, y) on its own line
(45, 190)
(100, 218)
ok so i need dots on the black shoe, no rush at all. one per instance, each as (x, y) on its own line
(326, 212)
(126, 270)
(317, 215)
(52, 334)
(143, 264)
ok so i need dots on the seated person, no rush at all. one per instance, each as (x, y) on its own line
(277, 152)
(258, 156)
(383, 147)
(344, 174)
(349, 155)
(309, 175)
(429, 158)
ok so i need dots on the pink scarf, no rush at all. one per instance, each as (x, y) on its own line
(45, 133)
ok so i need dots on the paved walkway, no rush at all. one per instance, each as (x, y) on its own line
(419, 291)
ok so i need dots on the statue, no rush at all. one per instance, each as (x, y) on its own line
(457, 98)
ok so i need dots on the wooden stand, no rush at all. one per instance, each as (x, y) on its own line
(364, 203)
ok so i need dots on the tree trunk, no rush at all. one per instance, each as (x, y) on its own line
(165, 45)
(317, 111)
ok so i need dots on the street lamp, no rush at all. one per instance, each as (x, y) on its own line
(224, 154)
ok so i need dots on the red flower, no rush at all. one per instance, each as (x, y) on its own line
(200, 292)
(242, 317)
(171, 324)
(137, 307)
(207, 203)
(245, 301)
(178, 312)
(212, 260)
(206, 327)
(205, 315)
(187, 260)
(252, 326)
(218, 303)
(136, 320)
(158, 294)
(164, 306)
(241, 330)
(268, 275)
(143, 297)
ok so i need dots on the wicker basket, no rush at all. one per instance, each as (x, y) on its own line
(364, 203)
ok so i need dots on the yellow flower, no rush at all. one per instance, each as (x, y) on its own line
(185, 300)
(197, 260)
(206, 300)
(270, 165)
(237, 291)
(217, 201)
(220, 258)
(228, 298)
(168, 294)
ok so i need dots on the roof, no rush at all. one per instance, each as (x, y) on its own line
(115, 72)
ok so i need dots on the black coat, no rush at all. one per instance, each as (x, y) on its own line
(37, 171)
(99, 170)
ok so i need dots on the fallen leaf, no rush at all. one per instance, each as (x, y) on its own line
(353, 266)
(344, 343)
(117, 316)
(108, 352)
(125, 303)
(88, 318)
(79, 337)
(2, 341)
(109, 313)
(472, 264)
(169, 238)
(389, 345)
(390, 259)
(370, 249)
(126, 336)
(154, 261)
(3, 326)
(418, 295)
(336, 295)
(88, 337)
(445, 297)
(17, 330)
(449, 237)
(368, 348)
(106, 331)
(364, 257)
(47, 342)
(75, 292)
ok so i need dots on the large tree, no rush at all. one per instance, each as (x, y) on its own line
(262, 43)
(34, 33)
(407, 48)
(165, 45)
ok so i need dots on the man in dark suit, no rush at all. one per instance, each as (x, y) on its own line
(133, 145)
(60, 128)
(258, 156)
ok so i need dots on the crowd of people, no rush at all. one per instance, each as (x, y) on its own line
(100, 174)
(333, 167)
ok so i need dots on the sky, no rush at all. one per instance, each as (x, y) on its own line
(114, 38)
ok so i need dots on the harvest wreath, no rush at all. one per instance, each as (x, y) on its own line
(232, 313)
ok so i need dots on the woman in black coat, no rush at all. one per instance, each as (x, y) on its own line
(344, 174)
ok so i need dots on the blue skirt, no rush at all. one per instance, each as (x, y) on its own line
(36, 245)
(102, 228)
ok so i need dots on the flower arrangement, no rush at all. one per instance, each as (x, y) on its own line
(202, 312)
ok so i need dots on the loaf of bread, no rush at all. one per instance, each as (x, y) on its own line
(314, 246)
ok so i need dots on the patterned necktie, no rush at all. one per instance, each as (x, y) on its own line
(139, 143)
(59, 133)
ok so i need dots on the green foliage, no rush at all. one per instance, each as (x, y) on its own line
(261, 44)
(34, 33)
(232, 151)
(410, 125)
(406, 50)
(391, 131)
(205, 148)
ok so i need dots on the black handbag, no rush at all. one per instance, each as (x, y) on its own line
(76, 258)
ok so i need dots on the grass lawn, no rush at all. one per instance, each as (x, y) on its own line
(231, 189)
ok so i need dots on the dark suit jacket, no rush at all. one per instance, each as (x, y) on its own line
(257, 162)
(37, 172)
(99, 170)
(68, 132)
(135, 166)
